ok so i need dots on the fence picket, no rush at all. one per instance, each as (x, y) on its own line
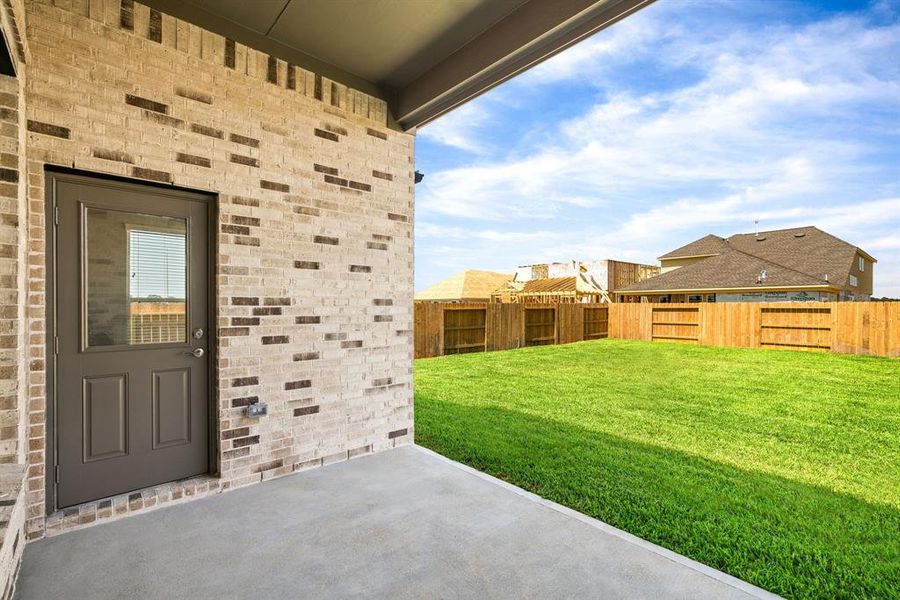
(845, 327)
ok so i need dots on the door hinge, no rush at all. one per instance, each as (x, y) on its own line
(56, 215)
(56, 474)
(55, 344)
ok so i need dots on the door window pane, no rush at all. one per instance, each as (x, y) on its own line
(136, 278)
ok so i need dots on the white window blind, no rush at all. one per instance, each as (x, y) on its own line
(157, 264)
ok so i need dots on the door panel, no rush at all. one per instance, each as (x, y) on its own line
(131, 282)
(171, 408)
(105, 417)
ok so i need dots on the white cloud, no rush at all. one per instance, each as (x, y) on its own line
(460, 128)
(735, 128)
(429, 230)
(776, 123)
(886, 243)
(646, 235)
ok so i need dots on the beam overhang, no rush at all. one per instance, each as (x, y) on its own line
(528, 36)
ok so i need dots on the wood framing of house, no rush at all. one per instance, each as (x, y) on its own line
(574, 281)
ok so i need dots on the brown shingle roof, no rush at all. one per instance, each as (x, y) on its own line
(467, 285)
(792, 257)
(705, 246)
(731, 270)
(806, 249)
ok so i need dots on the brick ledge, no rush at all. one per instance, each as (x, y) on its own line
(12, 525)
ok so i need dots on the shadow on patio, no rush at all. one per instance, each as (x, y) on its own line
(403, 523)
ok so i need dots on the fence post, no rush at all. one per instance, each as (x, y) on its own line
(855, 327)
(757, 330)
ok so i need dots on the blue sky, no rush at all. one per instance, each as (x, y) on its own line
(688, 118)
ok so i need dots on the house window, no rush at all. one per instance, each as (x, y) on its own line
(854, 281)
(695, 298)
(862, 264)
(665, 299)
(157, 265)
(157, 284)
(710, 297)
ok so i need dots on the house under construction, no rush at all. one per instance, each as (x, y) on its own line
(573, 281)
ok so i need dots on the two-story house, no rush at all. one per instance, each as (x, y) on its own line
(799, 264)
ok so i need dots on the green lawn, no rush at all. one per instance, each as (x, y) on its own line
(781, 468)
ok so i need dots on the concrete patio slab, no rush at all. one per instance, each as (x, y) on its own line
(405, 523)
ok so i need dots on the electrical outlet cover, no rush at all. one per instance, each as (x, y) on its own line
(257, 410)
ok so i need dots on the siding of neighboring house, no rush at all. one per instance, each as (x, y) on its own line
(865, 283)
(670, 264)
(314, 253)
(777, 296)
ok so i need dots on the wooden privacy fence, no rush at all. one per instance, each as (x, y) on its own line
(846, 327)
(444, 328)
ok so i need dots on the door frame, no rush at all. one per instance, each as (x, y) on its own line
(52, 174)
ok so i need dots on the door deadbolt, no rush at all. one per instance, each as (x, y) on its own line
(198, 333)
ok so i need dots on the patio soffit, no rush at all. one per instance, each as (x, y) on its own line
(424, 57)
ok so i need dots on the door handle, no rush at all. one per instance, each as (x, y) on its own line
(197, 352)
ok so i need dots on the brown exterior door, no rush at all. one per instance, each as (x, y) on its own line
(131, 321)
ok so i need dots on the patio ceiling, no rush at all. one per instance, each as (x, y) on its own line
(423, 56)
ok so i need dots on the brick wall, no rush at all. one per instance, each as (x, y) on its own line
(11, 254)
(13, 243)
(13, 318)
(315, 200)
